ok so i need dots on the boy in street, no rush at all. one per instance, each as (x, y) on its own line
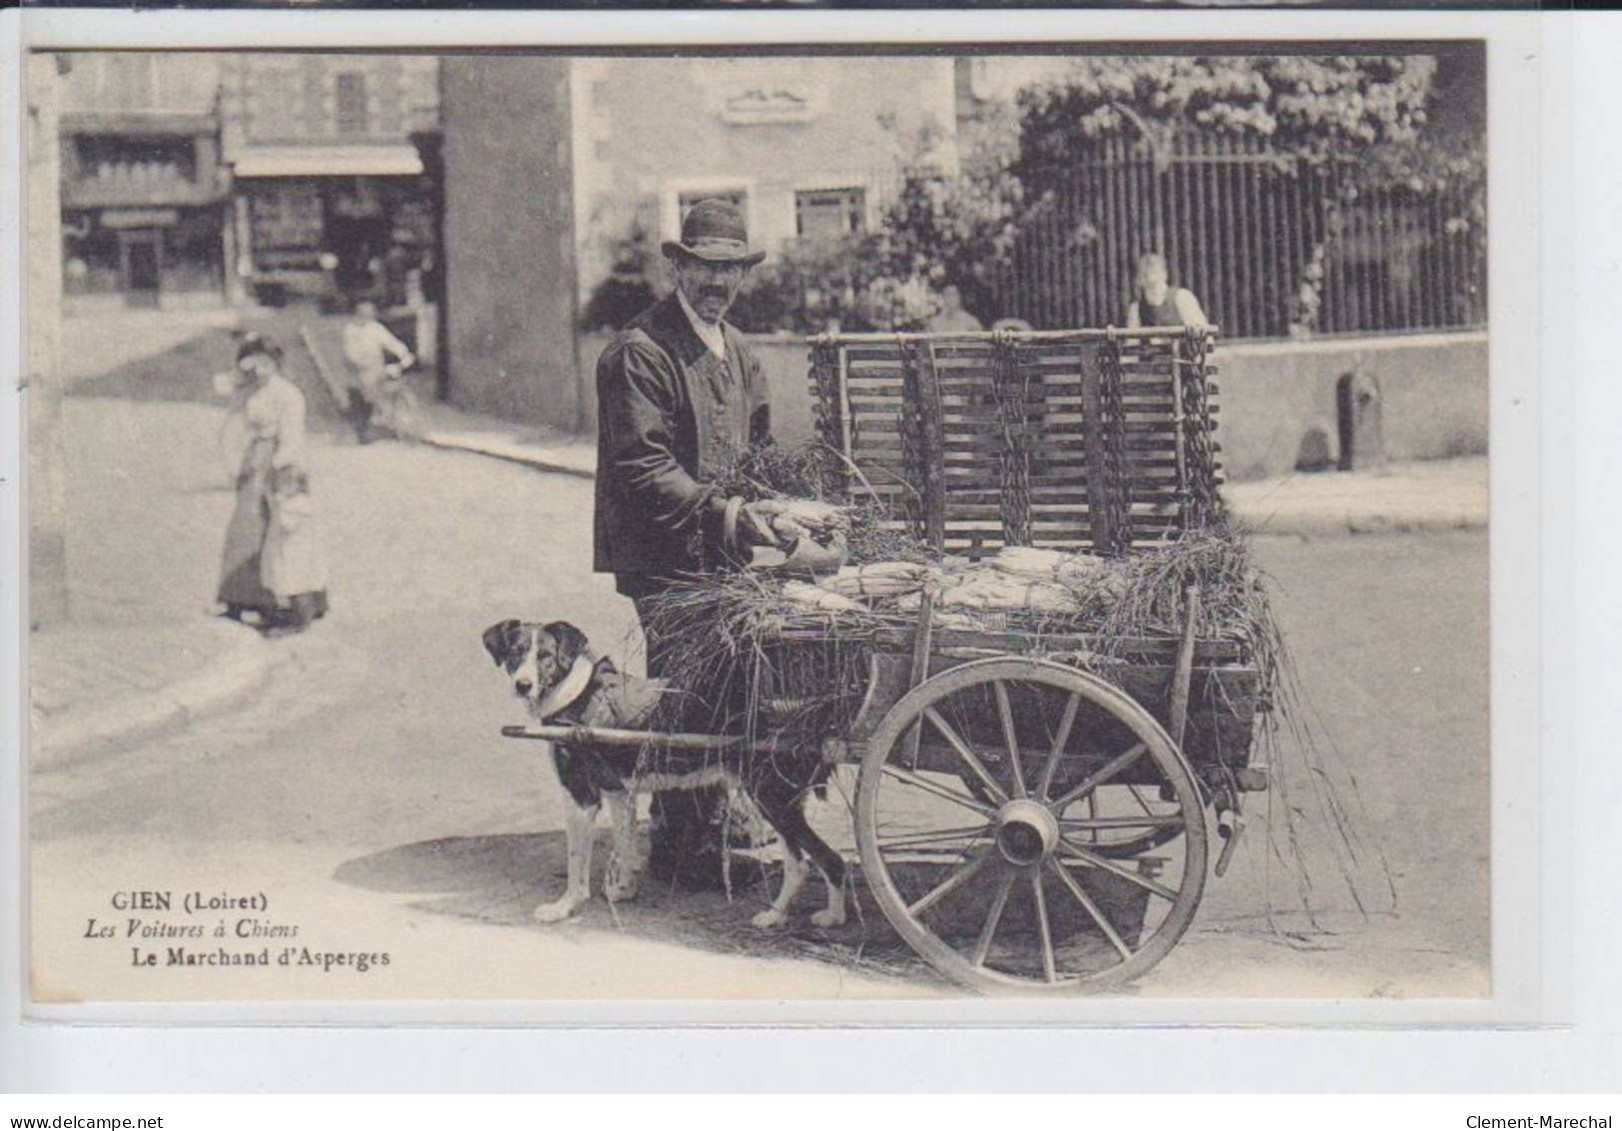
(368, 347)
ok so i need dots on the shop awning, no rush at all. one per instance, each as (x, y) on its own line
(329, 161)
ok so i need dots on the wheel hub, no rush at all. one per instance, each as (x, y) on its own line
(1026, 833)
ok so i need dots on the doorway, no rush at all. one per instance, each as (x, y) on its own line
(141, 267)
(357, 229)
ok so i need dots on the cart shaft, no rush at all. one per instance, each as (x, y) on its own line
(611, 736)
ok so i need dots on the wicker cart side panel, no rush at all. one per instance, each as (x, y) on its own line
(827, 398)
(1056, 444)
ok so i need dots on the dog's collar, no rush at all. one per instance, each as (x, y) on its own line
(567, 691)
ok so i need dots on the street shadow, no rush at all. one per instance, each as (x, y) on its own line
(178, 375)
(183, 373)
(495, 879)
(500, 879)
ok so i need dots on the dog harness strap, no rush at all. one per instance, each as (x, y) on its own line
(568, 689)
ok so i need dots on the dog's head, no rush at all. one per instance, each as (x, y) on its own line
(538, 657)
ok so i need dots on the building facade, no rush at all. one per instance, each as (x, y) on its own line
(332, 197)
(807, 146)
(144, 195)
(558, 169)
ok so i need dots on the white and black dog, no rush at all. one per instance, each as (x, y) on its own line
(561, 681)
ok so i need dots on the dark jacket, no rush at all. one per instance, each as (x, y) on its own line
(667, 410)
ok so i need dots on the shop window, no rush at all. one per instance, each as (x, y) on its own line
(830, 213)
(287, 227)
(136, 161)
(90, 263)
(192, 254)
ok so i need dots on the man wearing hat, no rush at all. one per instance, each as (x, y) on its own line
(677, 390)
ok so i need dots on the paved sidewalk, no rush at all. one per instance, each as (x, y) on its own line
(540, 448)
(1421, 497)
(95, 688)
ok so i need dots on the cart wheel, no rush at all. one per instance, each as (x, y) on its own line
(1009, 813)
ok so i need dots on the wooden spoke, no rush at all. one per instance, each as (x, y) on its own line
(950, 884)
(940, 791)
(1110, 769)
(949, 892)
(1137, 795)
(1010, 736)
(983, 946)
(1147, 821)
(1049, 965)
(909, 745)
(1093, 860)
(972, 759)
(1092, 909)
(1060, 740)
(935, 836)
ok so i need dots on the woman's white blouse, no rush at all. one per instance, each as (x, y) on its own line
(276, 412)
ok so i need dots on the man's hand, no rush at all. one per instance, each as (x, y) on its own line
(793, 519)
(808, 513)
(780, 523)
(755, 526)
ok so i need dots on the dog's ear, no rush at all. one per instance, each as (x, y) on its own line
(500, 640)
(571, 642)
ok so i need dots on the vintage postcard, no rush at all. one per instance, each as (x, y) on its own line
(916, 525)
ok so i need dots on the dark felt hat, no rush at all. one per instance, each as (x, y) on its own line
(253, 343)
(713, 230)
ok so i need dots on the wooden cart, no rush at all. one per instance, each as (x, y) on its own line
(1031, 808)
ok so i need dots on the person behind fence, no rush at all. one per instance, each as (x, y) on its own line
(272, 564)
(368, 347)
(952, 318)
(1158, 303)
(677, 390)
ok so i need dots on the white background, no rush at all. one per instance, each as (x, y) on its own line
(1557, 799)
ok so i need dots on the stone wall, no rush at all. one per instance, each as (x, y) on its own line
(1434, 388)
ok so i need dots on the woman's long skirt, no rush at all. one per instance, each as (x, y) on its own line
(241, 581)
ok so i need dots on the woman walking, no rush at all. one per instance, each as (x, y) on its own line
(273, 564)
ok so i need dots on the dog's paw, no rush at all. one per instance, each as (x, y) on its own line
(828, 917)
(558, 910)
(768, 919)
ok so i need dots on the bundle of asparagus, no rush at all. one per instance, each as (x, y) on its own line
(988, 590)
(808, 598)
(880, 580)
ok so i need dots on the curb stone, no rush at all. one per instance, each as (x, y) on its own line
(506, 453)
(1364, 523)
(235, 679)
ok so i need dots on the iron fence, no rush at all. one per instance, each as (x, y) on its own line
(1271, 245)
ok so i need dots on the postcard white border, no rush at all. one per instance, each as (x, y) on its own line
(1533, 861)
